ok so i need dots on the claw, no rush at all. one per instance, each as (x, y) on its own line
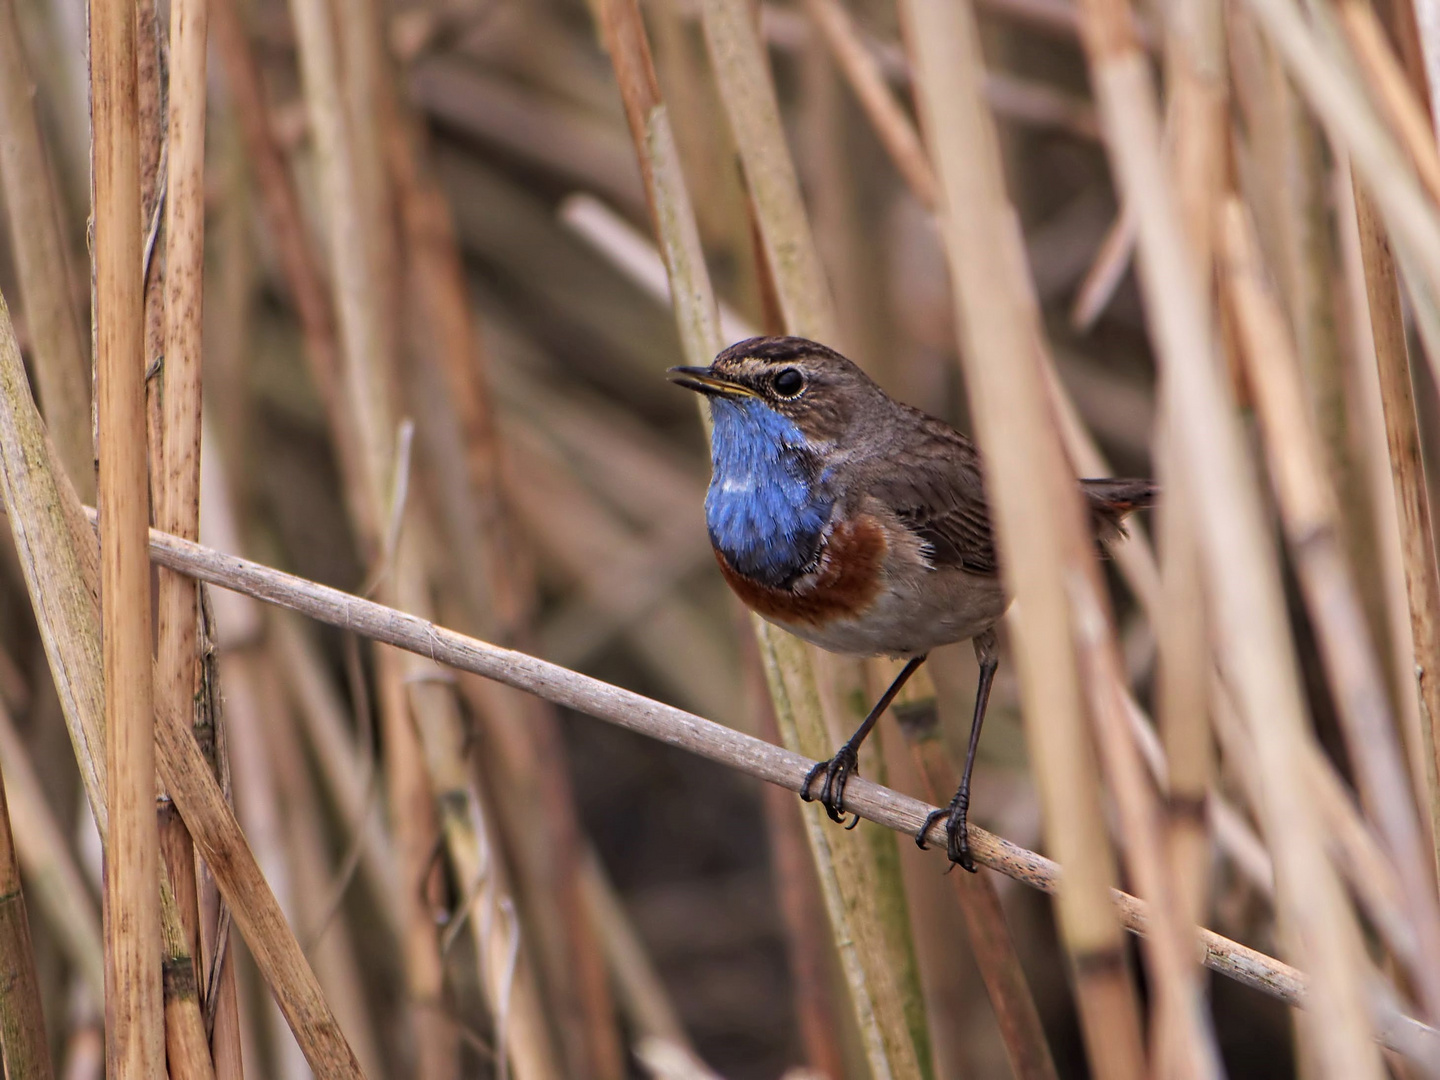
(930, 820)
(832, 796)
(957, 839)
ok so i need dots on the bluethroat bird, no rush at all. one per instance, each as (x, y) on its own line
(860, 524)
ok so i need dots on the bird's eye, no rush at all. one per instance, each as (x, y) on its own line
(788, 382)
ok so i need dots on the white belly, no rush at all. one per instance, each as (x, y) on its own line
(912, 617)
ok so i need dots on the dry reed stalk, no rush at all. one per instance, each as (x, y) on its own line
(42, 262)
(1035, 505)
(235, 621)
(369, 116)
(59, 890)
(1184, 694)
(1322, 73)
(1309, 507)
(1196, 66)
(1253, 635)
(1112, 259)
(675, 727)
(1408, 477)
(359, 310)
(439, 284)
(177, 465)
(63, 584)
(187, 1053)
(1381, 506)
(878, 964)
(748, 95)
(22, 1020)
(1397, 99)
(1184, 1036)
(187, 1050)
(523, 1038)
(134, 1021)
(61, 570)
(150, 96)
(280, 206)
(894, 128)
(990, 940)
(1013, 97)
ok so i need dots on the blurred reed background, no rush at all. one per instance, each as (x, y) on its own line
(434, 243)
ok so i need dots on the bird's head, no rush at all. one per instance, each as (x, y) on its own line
(817, 390)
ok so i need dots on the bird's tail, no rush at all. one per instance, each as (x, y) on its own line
(1110, 500)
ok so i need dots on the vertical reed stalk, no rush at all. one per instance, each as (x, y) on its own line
(1381, 505)
(1412, 501)
(178, 470)
(1184, 693)
(416, 833)
(133, 1014)
(1196, 64)
(1035, 505)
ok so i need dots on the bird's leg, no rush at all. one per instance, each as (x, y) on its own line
(847, 759)
(957, 838)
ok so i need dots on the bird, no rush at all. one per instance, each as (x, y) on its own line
(860, 524)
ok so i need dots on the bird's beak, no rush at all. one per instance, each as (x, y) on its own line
(703, 380)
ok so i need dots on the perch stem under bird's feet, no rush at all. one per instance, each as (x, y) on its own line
(847, 759)
(957, 831)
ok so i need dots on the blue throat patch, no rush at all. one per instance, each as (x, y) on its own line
(764, 509)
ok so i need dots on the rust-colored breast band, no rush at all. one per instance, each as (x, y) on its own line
(844, 587)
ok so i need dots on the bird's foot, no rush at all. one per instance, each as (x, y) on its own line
(836, 772)
(957, 834)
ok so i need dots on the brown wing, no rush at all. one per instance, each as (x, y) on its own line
(936, 487)
(938, 491)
